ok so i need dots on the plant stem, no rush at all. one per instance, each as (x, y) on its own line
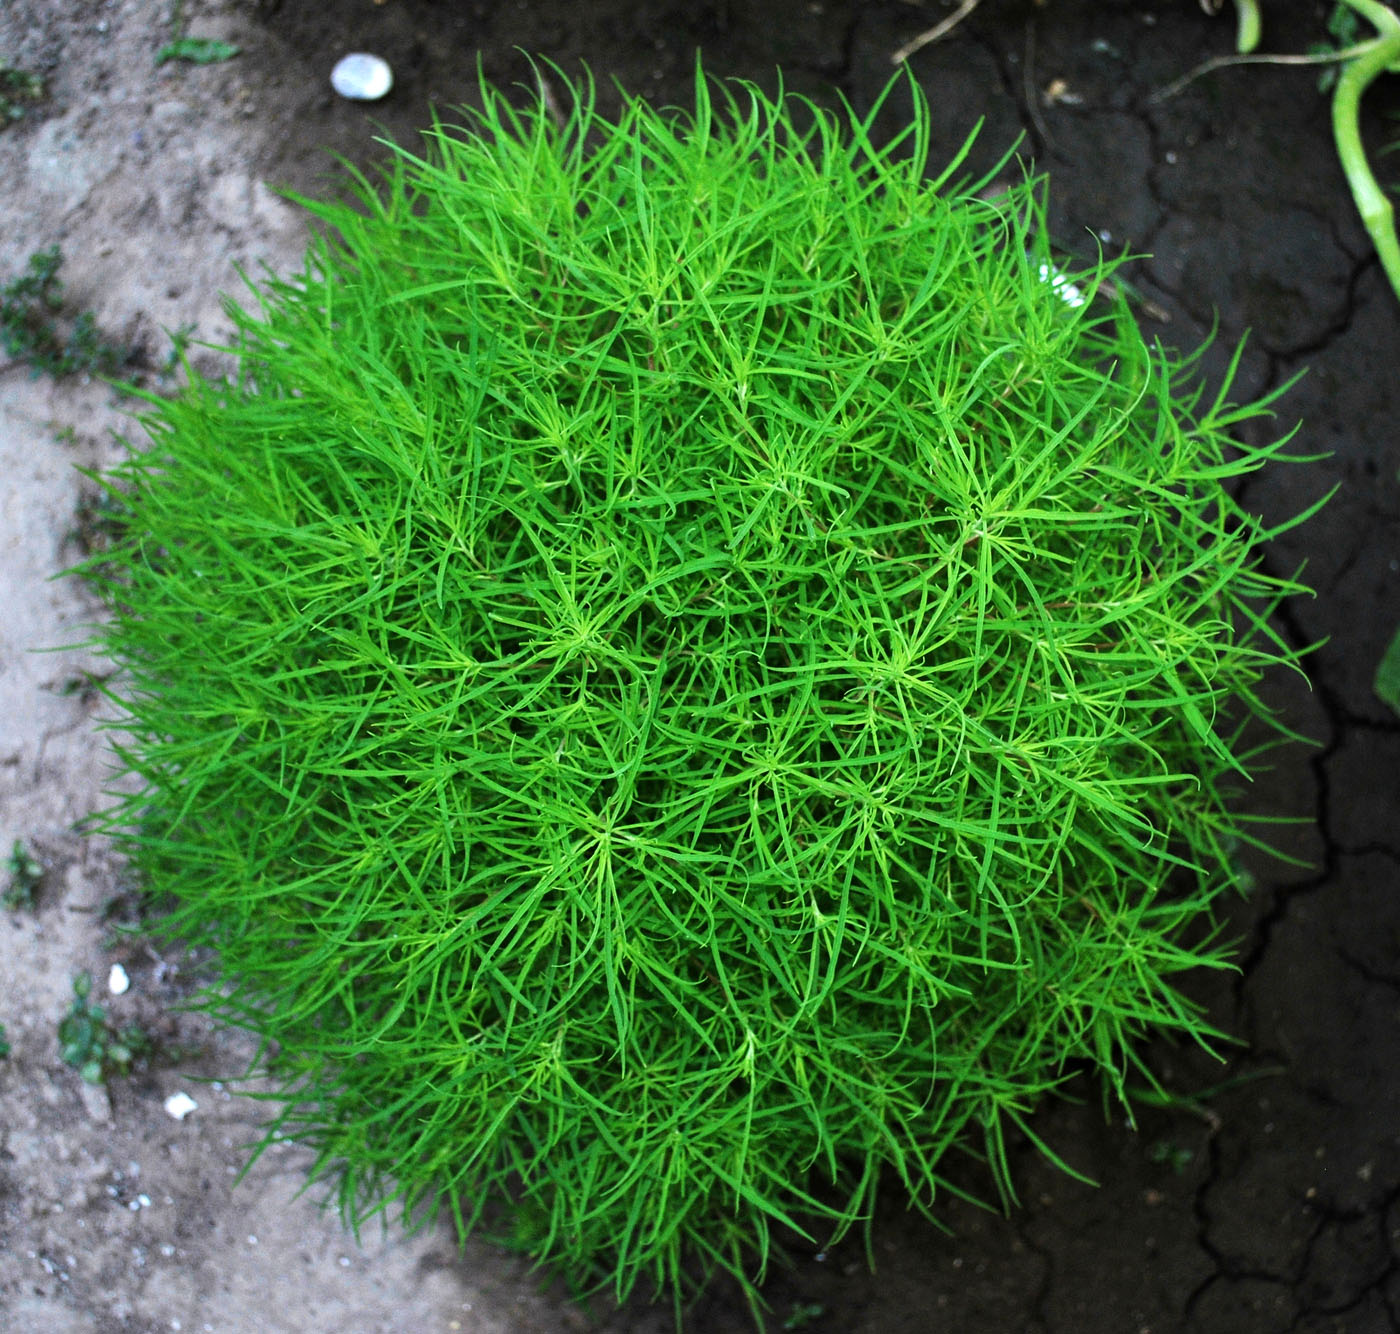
(1377, 212)
(1247, 30)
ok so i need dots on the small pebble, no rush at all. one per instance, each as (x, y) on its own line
(362, 77)
(180, 1105)
(117, 980)
(1068, 292)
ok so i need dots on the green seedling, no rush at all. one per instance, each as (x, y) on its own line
(180, 340)
(802, 1314)
(84, 686)
(1175, 1156)
(1387, 684)
(91, 1045)
(4, 1043)
(19, 90)
(33, 330)
(100, 516)
(1361, 66)
(1248, 23)
(197, 51)
(697, 666)
(192, 50)
(1353, 63)
(26, 873)
(1247, 28)
(1344, 30)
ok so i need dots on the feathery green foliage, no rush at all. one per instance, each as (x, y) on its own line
(691, 668)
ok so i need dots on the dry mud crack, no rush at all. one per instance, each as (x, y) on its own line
(1272, 1205)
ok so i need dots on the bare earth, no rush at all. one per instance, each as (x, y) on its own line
(113, 1214)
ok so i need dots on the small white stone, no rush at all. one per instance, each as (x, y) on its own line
(362, 77)
(1068, 292)
(180, 1105)
(117, 980)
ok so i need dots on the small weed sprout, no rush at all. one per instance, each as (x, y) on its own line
(197, 51)
(192, 50)
(1351, 62)
(26, 873)
(32, 328)
(683, 676)
(19, 90)
(1169, 1154)
(1387, 682)
(801, 1314)
(91, 1045)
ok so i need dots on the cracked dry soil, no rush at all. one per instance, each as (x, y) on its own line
(1271, 1205)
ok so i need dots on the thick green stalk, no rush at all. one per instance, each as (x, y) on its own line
(1247, 31)
(1377, 212)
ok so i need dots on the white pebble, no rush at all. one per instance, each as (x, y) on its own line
(1068, 292)
(180, 1105)
(361, 77)
(117, 980)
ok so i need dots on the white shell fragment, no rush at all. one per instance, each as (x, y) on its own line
(180, 1105)
(361, 77)
(1068, 292)
(117, 980)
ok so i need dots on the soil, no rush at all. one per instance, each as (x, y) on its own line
(1266, 1198)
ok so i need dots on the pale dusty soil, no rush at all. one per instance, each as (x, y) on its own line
(113, 1215)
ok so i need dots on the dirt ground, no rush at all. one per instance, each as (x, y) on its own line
(1267, 1200)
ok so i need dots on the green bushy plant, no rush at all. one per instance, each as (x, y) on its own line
(692, 667)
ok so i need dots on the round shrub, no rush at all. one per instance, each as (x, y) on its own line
(691, 668)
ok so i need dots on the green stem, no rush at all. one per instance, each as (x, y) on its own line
(1247, 29)
(1377, 212)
